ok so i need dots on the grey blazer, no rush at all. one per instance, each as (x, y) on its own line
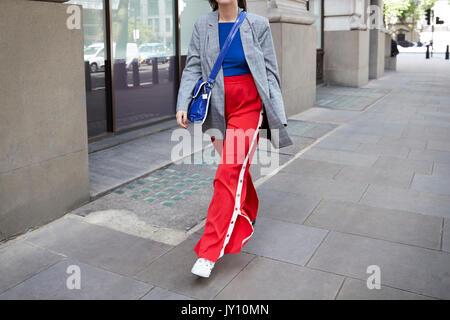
(203, 50)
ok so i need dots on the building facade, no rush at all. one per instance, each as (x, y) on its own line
(119, 70)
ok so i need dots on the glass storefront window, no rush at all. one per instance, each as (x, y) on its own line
(144, 63)
(94, 36)
(135, 82)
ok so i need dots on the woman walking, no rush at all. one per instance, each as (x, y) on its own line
(245, 98)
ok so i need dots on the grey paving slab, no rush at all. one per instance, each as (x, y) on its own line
(275, 280)
(284, 241)
(300, 128)
(441, 169)
(371, 118)
(95, 284)
(318, 114)
(435, 115)
(354, 289)
(438, 116)
(162, 294)
(299, 144)
(407, 200)
(100, 183)
(395, 178)
(396, 164)
(340, 157)
(20, 260)
(430, 155)
(265, 163)
(98, 246)
(425, 133)
(437, 184)
(173, 271)
(383, 150)
(285, 206)
(435, 123)
(391, 130)
(446, 236)
(357, 137)
(308, 185)
(338, 144)
(312, 168)
(440, 145)
(319, 130)
(343, 102)
(393, 225)
(414, 269)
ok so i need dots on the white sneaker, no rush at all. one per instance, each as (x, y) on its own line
(202, 267)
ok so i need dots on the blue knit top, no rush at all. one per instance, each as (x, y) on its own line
(234, 63)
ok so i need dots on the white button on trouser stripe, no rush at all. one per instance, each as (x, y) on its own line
(237, 205)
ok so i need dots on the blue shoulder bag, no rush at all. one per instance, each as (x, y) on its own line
(198, 108)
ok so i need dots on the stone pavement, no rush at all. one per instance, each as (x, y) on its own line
(366, 183)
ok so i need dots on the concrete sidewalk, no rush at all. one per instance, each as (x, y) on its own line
(367, 183)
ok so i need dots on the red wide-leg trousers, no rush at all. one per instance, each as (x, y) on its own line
(234, 204)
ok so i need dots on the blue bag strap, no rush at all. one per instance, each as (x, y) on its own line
(226, 46)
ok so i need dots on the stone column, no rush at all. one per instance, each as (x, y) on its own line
(294, 38)
(377, 39)
(346, 60)
(44, 169)
(390, 63)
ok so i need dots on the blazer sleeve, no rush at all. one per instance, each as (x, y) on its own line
(273, 77)
(192, 71)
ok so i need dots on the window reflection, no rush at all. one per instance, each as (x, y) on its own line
(144, 63)
(94, 59)
(190, 10)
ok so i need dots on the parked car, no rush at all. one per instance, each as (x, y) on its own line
(95, 54)
(405, 43)
(154, 50)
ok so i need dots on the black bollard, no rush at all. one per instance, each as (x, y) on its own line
(120, 74)
(171, 68)
(87, 75)
(447, 54)
(155, 72)
(427, 55)
(136, 78)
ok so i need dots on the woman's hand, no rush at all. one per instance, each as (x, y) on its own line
(182, 119)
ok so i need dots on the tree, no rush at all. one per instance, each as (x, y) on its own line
(406, 12)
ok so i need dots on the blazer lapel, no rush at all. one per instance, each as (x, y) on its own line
(247, 42)
(212, 43)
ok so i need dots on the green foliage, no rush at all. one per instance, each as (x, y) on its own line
(403, 10)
